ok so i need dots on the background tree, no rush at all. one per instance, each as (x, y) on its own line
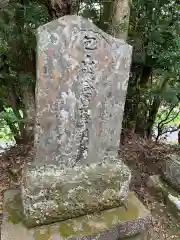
(154, 81)
(153, 33)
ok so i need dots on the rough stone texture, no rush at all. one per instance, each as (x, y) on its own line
(81, 86)
(60, 195)
(171, 174)
(82, 80)
(163, 190)
(120, 18)
(113, 224)
(140, 236)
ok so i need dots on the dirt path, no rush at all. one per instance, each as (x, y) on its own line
(146, 159)
(164, 226)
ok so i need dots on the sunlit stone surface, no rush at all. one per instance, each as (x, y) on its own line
(82, 77)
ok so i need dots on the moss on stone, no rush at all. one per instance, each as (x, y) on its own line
(88, 225)
(73, 192)
(171, 173)
(13, 208)
(38, 235)
(102, 221)
(97, 223)
(93, 224)
(163, 191)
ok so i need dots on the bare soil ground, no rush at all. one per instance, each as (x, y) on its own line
(144, 159)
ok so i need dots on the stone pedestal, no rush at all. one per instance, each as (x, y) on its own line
(50, 194)
(167, 186)
(164, 191)
(128, 222)
(171, 173)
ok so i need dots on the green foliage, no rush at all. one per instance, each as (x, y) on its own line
(5, 131)
(154, 32)
(167, 120)
(167, 117)
(18, 24)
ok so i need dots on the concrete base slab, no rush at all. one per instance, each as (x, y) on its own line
(162, 190)
(113, 224)
(141, 236)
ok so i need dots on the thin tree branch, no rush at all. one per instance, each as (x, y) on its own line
(164, 120)
(171, 119)
(171, 131)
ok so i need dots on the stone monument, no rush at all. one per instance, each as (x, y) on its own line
(167, 185)
(77, 183)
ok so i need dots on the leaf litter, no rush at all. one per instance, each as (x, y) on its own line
(144, 158)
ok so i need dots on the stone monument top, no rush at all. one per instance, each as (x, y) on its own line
(82, 78)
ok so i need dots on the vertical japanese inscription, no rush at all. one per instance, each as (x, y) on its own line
(87, 88)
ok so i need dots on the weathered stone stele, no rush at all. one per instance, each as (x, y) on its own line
(80, 94)
(167, 186)
(164, 191)
(171, 174)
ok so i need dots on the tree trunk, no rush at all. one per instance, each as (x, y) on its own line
(119, 23)
(26, 66)
(141, 111)
(105, 18)
(131, 103)
(134, 114)
(120, 19)
(29, 111)
(154, 108)
(152, 116)
(59, 8)
(15, 104)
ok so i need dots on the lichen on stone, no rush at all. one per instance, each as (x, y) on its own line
(82, 76)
